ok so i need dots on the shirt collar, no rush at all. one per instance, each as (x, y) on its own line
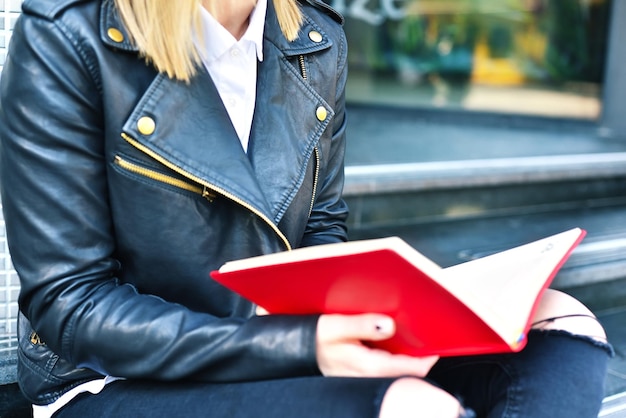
(256, 26)
(217, 40)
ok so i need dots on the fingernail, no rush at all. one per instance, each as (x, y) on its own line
(384, 326)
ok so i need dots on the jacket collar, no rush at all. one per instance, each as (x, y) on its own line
(112, 30)
(113, 33)
(194, 133)
(305, 43)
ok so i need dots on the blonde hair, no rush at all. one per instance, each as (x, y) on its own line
(163, 30)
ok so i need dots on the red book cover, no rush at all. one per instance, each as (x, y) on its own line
(445, 312)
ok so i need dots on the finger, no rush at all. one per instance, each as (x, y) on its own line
(400, 365)
(367, 362)
(363, 327)
(381, 363)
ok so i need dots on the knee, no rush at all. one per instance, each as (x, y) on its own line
(412, 397)
(561, 311)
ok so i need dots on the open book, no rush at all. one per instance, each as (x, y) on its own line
(480, 306)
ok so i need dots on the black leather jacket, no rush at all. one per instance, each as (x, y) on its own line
(122, 189)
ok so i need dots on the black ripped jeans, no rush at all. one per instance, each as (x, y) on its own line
(556, 375)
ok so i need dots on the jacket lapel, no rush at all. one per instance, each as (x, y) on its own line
(285, 129)
(193, 132)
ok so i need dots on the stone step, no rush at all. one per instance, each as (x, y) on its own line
(614, 406)
(601, 257)
(445, 175)
(430, 191)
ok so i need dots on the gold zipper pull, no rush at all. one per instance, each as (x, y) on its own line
(208, 194)
(35, 339)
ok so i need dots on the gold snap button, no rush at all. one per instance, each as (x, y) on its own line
(321, 113)
(146, 125)
(315, 36)
(115, 35)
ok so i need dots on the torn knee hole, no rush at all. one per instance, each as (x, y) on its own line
(581, 325)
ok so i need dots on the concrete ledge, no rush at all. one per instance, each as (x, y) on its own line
(601, 259)
(614, 406)
(594, 262)
(8, 367)
(413, 177)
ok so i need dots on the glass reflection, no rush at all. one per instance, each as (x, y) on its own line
(542, 57)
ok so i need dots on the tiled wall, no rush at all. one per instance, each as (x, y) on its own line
(9, 12)
(9, 285)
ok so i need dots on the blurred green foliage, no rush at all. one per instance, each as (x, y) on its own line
(552, 41)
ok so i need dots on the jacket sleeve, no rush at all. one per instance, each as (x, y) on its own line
(54, 195)
(327, 222)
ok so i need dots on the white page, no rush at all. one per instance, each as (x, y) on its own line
(502, 288)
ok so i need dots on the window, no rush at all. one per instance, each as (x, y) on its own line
(9, 12)
(529, 57)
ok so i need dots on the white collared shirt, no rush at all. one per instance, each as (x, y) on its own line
(232, 65)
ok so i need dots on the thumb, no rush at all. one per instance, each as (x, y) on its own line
(365, 327)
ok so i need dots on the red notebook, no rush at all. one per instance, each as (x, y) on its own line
(477, 307)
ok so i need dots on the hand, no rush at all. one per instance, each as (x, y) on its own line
(341, 352)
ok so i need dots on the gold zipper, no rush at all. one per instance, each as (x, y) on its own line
(316, 177)
(208, 187)
(35, 339)
(163, 178)
(316, 151)
(302, 67)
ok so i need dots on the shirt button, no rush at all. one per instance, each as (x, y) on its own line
(234, 52)
(232, 102)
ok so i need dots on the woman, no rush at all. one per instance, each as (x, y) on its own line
(145, 143)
